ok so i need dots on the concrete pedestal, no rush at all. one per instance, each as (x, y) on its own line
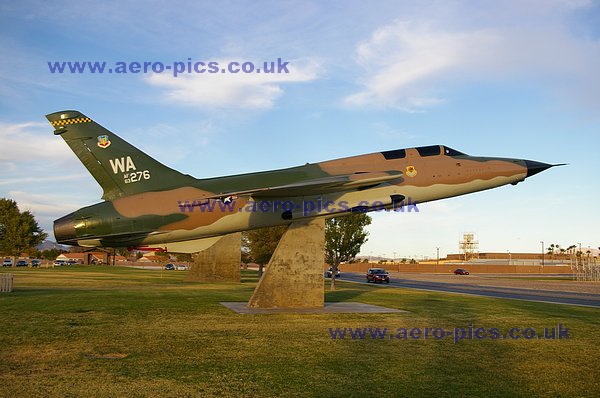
(294, 276)
(220, 262)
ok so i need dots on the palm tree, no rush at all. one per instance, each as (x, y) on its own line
(571, 250)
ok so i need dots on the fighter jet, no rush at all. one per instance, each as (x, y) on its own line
(147, 205)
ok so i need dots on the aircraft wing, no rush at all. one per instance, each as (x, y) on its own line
(319, 186)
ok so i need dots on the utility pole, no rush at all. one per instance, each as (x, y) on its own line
(542, 242)
(437, 261)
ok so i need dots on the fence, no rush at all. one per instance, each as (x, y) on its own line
(6, 283)
(445, 268)
(586, 270)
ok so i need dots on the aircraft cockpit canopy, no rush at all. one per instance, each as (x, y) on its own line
(452, 152)
(424, 151)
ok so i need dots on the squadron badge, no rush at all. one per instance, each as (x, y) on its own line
(103, 141)
(411, 171)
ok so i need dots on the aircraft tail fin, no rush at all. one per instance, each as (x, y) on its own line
(120, 168)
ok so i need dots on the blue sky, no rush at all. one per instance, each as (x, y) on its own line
(514, 79)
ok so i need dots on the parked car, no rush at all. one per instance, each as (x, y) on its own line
(72, 261)
(36, 263)
(461, 271)
(378, 275)
(169, 267)
(7, 262)
(58, 263)
(330, 271)
(181, 267)
(22, 263)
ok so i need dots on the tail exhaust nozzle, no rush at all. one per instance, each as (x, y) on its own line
(64, 229)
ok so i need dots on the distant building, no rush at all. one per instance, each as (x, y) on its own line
(91, 258)
(513, 258)
(77, 257)
(150, 257)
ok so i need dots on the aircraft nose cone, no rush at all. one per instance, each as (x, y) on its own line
(534, 167)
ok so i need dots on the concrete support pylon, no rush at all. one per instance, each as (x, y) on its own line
(220, 262)
(294, 276)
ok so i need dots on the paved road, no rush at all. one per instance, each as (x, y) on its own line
(547, 296)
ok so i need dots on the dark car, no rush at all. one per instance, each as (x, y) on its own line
(170, 267)
(378, 275)
(22, 263)
(36, 263)
(330, 271)
(461, 271)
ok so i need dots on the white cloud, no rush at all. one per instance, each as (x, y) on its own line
(45, 204)
(46, 207)
(239, 90)
(30, 153)
(22, 141)
(40, 172)
(410, 65)
(42, 178)
(404, 56)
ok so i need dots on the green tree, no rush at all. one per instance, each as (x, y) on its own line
(260, 244)
(344, 237)
(19, 231)
(122, 251)
(162, 256)
(183, 257)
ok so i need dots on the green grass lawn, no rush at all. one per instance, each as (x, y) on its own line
(102, 331)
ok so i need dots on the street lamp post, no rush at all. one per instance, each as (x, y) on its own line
(437, 261)
(542, 242)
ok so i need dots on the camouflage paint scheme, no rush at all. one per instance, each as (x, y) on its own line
(143, 198)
